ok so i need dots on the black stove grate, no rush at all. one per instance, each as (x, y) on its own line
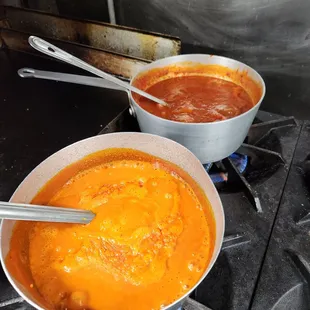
(285, 275)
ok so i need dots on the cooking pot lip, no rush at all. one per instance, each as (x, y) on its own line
(219, 237)
(247, 67)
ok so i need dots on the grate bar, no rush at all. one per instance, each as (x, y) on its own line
(231, 241)
(234, 176)
(259, 131)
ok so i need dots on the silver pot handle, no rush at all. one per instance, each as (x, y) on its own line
(68, 78)
(72, 78)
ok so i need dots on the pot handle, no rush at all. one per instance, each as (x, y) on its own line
(68, 78)
(72, 78)
(191, 304)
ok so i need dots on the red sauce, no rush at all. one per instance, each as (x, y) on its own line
(198, 98)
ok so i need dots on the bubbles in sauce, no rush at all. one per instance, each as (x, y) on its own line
(151, 239)
(197, 99)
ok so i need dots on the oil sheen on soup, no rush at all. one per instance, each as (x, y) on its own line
(198, 98)
(150, 242)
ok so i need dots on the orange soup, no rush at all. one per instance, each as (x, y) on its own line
(198, 94)
(150, 242)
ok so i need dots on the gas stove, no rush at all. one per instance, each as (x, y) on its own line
(264, 262)
(265, 259)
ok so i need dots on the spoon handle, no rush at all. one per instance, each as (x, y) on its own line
(55, 52)
(29, 212)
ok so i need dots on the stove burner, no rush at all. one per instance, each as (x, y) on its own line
(240, 161)
(254, 161)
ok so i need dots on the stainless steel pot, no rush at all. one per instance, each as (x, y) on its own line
(210, 142)
(152, 144)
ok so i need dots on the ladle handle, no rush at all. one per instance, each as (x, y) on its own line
(55, 52)
(29, 212)
(68, 78)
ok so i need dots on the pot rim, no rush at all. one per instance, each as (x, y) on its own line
(247, 67)
(216, 251)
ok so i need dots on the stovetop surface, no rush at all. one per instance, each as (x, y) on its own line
(285, 278)
(264, 263)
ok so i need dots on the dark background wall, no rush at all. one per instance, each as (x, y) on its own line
(272, 36)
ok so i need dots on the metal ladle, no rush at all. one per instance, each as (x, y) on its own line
(55, 52)
(29, 212)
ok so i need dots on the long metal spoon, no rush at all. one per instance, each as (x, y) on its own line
(28, 212)
(53, 51)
